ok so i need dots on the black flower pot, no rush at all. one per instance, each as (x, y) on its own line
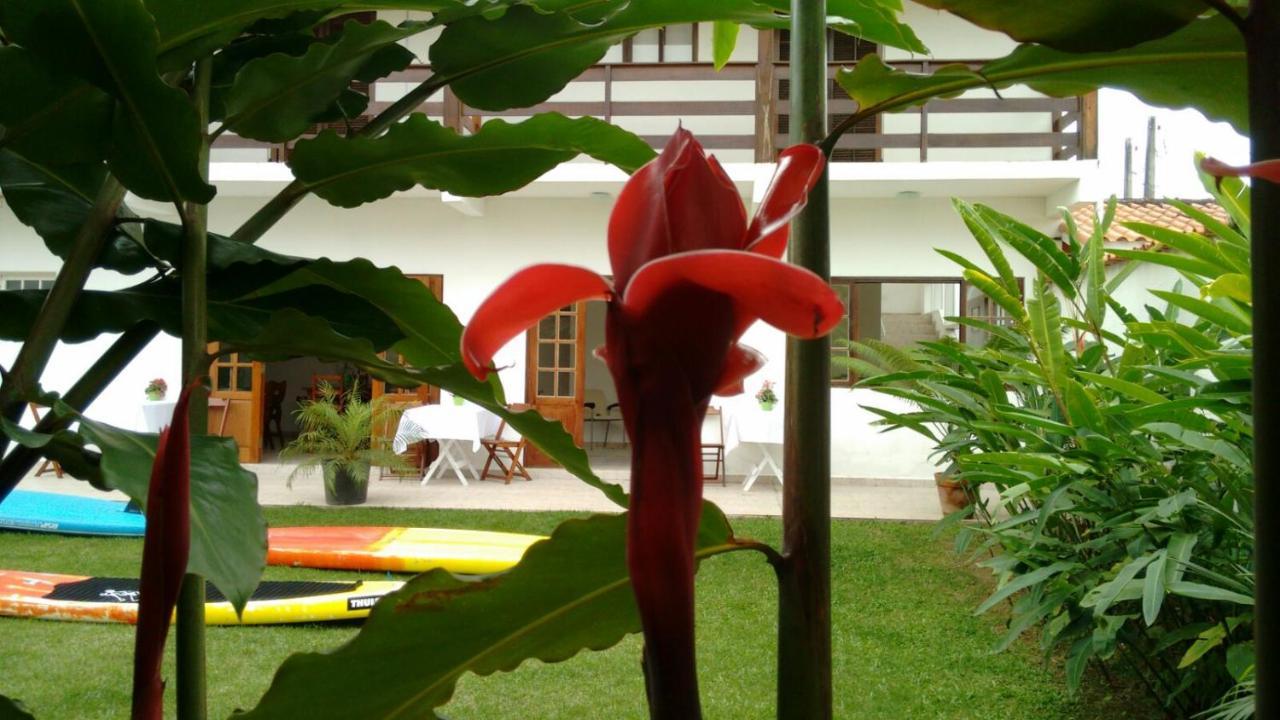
(344, 487)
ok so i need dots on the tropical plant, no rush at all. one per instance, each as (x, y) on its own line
(685, 295)
(1123, 527)
(336, 436)
(100, 101)
(103, 98)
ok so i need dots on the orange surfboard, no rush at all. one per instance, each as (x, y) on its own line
(99, 599)
(397, 549)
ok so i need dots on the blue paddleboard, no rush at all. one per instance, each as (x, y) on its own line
(69, 515)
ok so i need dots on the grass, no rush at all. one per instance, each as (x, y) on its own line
(906, 643)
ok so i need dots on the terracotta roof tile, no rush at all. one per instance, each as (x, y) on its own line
(1151, 212)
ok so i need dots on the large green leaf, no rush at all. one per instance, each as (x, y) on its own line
(985, 236)
(1225, 313)
(228, 531)
(501, 157)
(277, 97)
(50, 116)
(188, 30)
(11, 709)
(1022, 582)
(1043, 251)
(1200, 66)
(1194, 245)
(724, 38)
(529, 54)
(1095, 265)
(1079, 25)
(55, 200)
(570, 593)
(1044, 319)
(156, 134)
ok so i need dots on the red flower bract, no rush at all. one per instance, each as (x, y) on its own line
(1267, 169)
(690, 276)
(164, 558)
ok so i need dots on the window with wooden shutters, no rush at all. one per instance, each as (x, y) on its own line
(847, 50)
(555, 356)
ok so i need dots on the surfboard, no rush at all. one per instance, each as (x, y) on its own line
(390, 549)
(397, 549)
(69, 514)
(102, 599)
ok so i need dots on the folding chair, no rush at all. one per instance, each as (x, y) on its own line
(713, 445)
(505, 441)
(44, 466)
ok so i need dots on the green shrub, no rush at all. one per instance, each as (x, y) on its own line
(1123, 530)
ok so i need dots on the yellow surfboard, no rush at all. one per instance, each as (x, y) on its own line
(97, 599)
(397, 549)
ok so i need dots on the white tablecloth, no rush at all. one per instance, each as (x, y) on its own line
(748, 423)
(156, 414)
(757, 431)
(444, 422)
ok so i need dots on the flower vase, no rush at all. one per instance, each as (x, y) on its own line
(155, 395)
(766, 405)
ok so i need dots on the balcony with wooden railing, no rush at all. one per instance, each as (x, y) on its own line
(742, 113)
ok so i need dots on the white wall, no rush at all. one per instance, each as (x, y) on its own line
(420, 235)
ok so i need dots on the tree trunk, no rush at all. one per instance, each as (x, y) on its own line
(1263, 43)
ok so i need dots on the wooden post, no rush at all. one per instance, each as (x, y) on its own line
(452, 110)
(766, 92)
(1089, 126)
(804, 587)
(1262, 41)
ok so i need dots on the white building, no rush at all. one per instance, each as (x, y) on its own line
(891, 185)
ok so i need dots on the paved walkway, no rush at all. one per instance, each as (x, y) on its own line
(555, 489)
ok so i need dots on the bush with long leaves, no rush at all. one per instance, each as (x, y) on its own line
(1122, 531)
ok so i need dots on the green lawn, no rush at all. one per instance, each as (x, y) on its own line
(906, 642)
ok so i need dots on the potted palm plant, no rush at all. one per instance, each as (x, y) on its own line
(335, 436)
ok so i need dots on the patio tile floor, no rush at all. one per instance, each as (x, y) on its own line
(556, 489)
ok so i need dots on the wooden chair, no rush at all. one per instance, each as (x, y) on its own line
(417, 457)
(273, 406)
(713, 446)
(505, 441)
(44, 466)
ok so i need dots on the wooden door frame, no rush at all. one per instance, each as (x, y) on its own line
(580, 374)
(251, 451)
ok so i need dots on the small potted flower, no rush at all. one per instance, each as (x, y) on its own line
(766, 396)
(156, 389)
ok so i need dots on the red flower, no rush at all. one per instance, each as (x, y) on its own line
(1267, 169)
(690, 275)
(164, 558)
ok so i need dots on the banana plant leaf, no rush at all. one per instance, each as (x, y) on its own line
(570, 593)
(156, 137)
(1201, 66)
(228, 530)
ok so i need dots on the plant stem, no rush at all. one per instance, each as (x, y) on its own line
(126, 347)
(804, 593)
(190, 636)
(1262, 43)
(52, 316)
(277, 207)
